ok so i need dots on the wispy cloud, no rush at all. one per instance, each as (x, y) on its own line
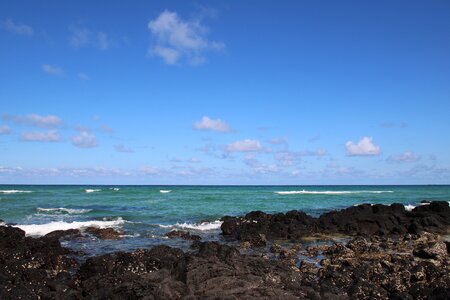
(106, 129)
(39, 136)
(84, 37)
(52, 69)
(365, 147)
(17, 28)
(83, 77)
(406, 157)
(206, 123)
(176, 39)
(49, 121)
(121, 148)
(84, 139)
(5, 129)
(246, 145)
(279, 141)
(187, 160)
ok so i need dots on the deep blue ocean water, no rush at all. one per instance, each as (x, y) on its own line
(145, 213)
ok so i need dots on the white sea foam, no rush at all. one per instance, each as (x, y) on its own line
(43, 229)
(114, 189)
(410, 207)
(92, 190)
(165, 191)
(14, 191)
(204, 226)
(303, 192)
(64, 210)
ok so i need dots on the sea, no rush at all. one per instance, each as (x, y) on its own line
(144, 214)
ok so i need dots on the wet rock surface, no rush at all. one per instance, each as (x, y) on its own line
(104, 233)
(185, 235)
(363, 219)
(377, 266)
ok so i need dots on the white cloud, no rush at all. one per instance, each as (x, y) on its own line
(4, 129)
(207, 123)
(80, 37)
(175, 38)
(17, 28)
(246, 145)
(84, 139)
(106, 129)
(52, 70)
(188, 160)
(38, 136)
(406, 157)
(365, 147)
(35, 120)
(121, 148)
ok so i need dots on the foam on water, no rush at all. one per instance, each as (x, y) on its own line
(204, 226)
(329, 192)
(165, 191)
(43, 229)
(14, 191)
(114, 189)
(58, 210)
(92, 190)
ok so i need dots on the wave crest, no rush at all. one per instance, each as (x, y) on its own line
(14, 191)
(92, 190)
(58, 210)
(204, 226)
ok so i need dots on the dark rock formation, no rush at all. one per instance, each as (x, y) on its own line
(363, 219)
(185, 235)
(70, 233)
(32, 268)
(369, 266)
(104, 233)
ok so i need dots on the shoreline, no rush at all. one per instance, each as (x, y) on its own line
(386, 252)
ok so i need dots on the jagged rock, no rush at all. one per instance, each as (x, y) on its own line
(185, 235)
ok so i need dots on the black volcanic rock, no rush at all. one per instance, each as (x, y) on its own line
(363, 220)
(185, 235)
(57, 234)
(104, 233)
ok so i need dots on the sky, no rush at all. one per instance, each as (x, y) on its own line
(225, 92)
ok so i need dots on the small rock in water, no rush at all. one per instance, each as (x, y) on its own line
(104, 233)
(185, 235)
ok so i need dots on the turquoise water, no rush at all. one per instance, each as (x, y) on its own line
(145, 213)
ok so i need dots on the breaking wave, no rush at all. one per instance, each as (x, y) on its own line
(14, 191)
(204, 226)
(43, 229)
(59, 210)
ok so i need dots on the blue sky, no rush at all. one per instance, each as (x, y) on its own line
(290, 92)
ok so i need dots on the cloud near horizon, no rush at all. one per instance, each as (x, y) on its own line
(365, 147)
(121, 148)
(206, 123)
(175, 39)
(406, 157)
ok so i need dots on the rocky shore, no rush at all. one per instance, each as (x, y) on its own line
(391, 253)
